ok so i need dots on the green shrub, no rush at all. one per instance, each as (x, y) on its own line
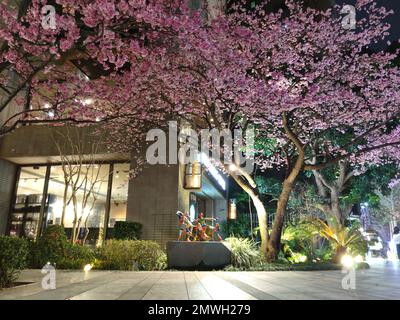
(76, 257)
(239, 227)
(309, 266)
(13, 258)
(124, 230)
(66, 264)
(299, 241)
(54, 247)
(342, 238)
(50, 247)
(245, 253)
(130, 255)
(325, 252)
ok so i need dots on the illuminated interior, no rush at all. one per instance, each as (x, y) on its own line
(119, 195)
(91, 197)
(26, 214)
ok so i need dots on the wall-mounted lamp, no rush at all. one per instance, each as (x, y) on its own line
(232, 212)
(193, 173)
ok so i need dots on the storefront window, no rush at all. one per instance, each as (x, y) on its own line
(76, 196)
(25, 216)
(119, 194)
(79, 194)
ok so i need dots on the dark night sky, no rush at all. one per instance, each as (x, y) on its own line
(394, 19)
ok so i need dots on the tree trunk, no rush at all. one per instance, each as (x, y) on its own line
(262, 223)
(330, 191)
(335, 207)
(274, 244)
(271, 244)
(251, 189)
(340, 251)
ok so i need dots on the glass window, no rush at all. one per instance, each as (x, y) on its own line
(25, 215)
(78, 196)
(119, 194)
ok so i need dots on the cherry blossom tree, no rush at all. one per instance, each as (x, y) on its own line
(44, 69)
(296, 75)
(301, 78)
(340, 187)
(388, 212)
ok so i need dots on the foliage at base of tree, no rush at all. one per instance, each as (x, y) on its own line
(245, 252)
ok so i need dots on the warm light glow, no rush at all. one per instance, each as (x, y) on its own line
(87, 101)
(232, 167)
(303, 258)
(87, 267)
(347, 261)
(232, 212)
(358, 259)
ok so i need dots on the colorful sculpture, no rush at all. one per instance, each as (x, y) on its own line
(198, 230)
(185, 226)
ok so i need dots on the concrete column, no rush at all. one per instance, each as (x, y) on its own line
(8, 171)
(153, 202)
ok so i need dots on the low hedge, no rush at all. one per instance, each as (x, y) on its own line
(76, 257)
(130, 255)
(54, 247)
(13, 258)
(319, 266)
(125, 230)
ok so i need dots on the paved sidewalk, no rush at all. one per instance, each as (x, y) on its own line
(380, 282)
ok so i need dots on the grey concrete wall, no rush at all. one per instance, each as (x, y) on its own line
(154, 197)
(153, 201)
(7, 180)
(37, 144)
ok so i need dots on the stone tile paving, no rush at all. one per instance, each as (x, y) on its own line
(382, 281)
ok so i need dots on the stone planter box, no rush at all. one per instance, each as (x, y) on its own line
(197, 255)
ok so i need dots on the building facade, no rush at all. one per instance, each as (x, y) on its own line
(33, 176)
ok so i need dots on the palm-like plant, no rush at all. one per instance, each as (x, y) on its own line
(342, 238)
